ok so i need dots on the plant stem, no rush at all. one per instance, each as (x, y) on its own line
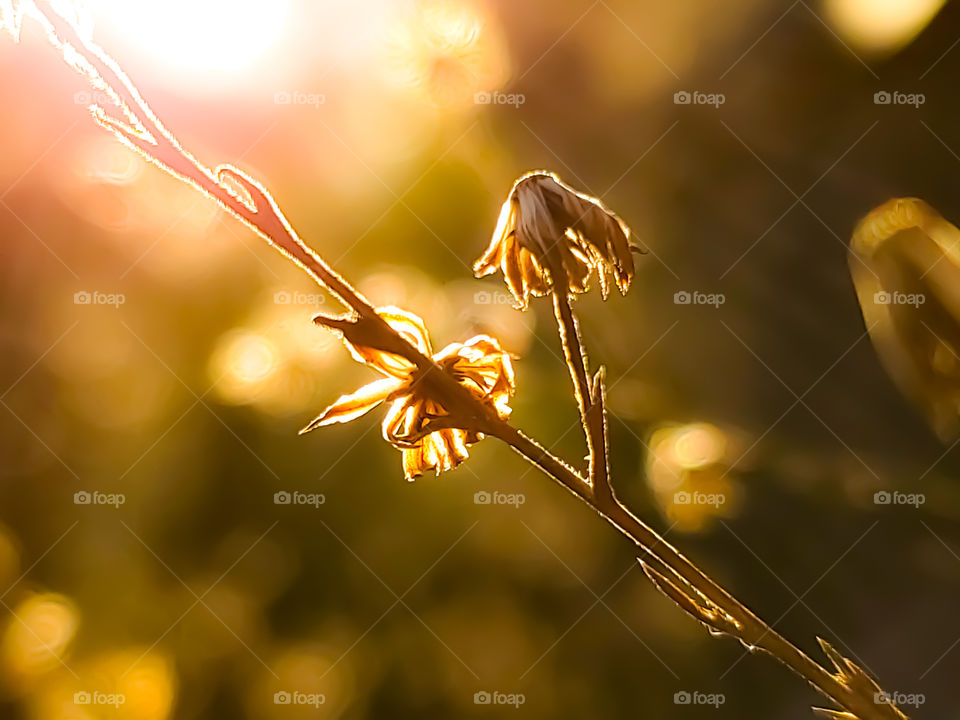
(754, 633)
(589, 401)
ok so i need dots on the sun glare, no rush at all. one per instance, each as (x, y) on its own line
(206, 35)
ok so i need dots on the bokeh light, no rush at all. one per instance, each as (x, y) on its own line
(38, 634)
(448, 50)
(307, 680)
(881, 25)
(278, 358)
(688, 468)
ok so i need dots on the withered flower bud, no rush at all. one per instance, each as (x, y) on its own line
(549, 237)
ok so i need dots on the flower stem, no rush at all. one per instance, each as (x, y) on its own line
(753, 632)
(589, 398)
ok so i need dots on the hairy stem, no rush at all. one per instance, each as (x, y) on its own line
(589, 399)
(753, 632)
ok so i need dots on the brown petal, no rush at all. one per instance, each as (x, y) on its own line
(409, 325)
(493, 256)
(362, 340)
(537, 229)
(397, 420)
(536, 279)
(350, 407)
(440, 451)
(510, 264)
(414, 462)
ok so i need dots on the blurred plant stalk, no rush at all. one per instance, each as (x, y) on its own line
(846, 685)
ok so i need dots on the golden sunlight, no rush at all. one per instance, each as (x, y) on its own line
(213, 35)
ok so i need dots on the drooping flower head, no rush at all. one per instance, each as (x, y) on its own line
(419, 426)
(549, 237)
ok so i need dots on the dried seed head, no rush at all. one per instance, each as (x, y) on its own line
(549, 237)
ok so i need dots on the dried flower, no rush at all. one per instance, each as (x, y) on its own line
(416, 424)
(549, 236)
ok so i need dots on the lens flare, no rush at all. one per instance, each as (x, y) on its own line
(212, 35)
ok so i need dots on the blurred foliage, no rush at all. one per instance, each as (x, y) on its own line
(153, 349)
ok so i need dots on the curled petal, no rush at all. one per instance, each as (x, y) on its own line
(440, 451)
(481, 365)
(512, 274)
(403, 419)
(491, 258)
(535, 278)
(361, 340)
(409, 325)
(350, 407)
(602, 231)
